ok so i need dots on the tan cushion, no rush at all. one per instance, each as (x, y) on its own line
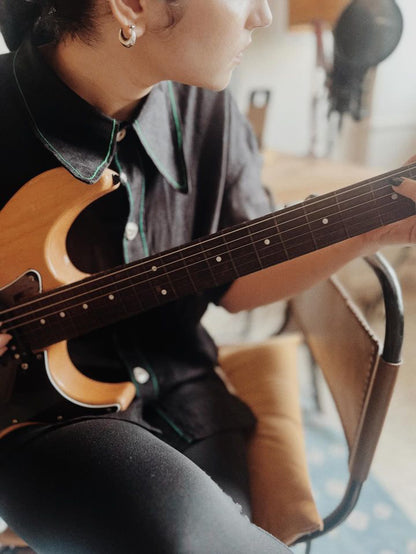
(264, 375)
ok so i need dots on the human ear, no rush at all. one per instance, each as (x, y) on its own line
(129, 12)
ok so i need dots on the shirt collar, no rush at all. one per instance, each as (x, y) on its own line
(81, 137)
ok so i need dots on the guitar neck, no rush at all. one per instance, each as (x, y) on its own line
(107, 297)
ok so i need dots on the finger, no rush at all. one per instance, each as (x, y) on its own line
(407, 188)
(3, 350)
(411, 160)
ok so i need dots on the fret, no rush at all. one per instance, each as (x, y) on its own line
(323, 213)
(404, 207)
(373, 210)
(325, 221)
(230, 256)
(330, 235)
(223, 268)
(179, 273)
(243, 251)
(218, 259)
(355, 197)
(339, 211)
(169, 277)
(305, 212)
(201, 269)
(301, 244)
(282, 249)
(253, 244)
(295, 232)
(292, 218)
(383, 189)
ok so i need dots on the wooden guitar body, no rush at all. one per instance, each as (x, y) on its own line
(34, 225)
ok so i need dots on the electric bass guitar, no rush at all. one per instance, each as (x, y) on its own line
(45, 300)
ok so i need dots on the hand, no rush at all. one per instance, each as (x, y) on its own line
(4, 339)
(401, 232)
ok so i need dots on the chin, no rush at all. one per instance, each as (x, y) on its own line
(218, 83)
(215, 81)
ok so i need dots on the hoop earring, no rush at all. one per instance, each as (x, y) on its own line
(131, 40)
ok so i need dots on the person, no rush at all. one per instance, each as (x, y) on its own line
(139, 87)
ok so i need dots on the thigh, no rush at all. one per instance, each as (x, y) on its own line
(223, 457)
(109, 486)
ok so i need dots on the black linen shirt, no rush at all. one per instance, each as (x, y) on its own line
(189, 166)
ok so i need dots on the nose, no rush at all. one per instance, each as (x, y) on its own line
(260, 16)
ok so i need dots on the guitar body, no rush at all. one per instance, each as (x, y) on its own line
(34, 225)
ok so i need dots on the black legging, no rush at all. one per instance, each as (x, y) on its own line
(101, 486)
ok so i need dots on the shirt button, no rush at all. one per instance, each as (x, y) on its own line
(120, 135)
(131, 230)
(141, 375)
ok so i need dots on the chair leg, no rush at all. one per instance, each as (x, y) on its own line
(308, 547)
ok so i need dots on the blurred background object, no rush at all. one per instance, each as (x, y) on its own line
(303, 12)
(283, 59)
(366, 33)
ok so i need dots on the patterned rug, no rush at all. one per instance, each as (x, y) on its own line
(376, 526)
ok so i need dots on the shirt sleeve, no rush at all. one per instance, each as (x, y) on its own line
(245, 198)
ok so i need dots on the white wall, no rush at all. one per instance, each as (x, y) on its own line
(284, 62)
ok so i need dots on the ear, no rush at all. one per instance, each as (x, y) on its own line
(129, 12)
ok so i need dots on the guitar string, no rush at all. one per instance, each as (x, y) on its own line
(112, 273)
(113, 284)
(46, 315)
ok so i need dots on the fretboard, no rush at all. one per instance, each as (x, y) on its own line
(110, 296)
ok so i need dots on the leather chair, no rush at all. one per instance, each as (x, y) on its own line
(360, 375)
(361, 379)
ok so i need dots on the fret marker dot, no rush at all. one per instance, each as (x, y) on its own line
(325, 221)
(85, 306)
(218, 259)
(111, 296)
(267, 242)
(394, 196)
(62, 314)
(154, 268)
(42, 322)
(164, 292)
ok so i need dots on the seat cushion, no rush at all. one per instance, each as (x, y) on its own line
(264, 375)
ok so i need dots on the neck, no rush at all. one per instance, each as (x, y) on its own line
(111, 89)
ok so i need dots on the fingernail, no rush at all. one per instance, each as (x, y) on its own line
(398, 181)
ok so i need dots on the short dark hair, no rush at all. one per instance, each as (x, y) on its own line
(49, 20)
(52, 20)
